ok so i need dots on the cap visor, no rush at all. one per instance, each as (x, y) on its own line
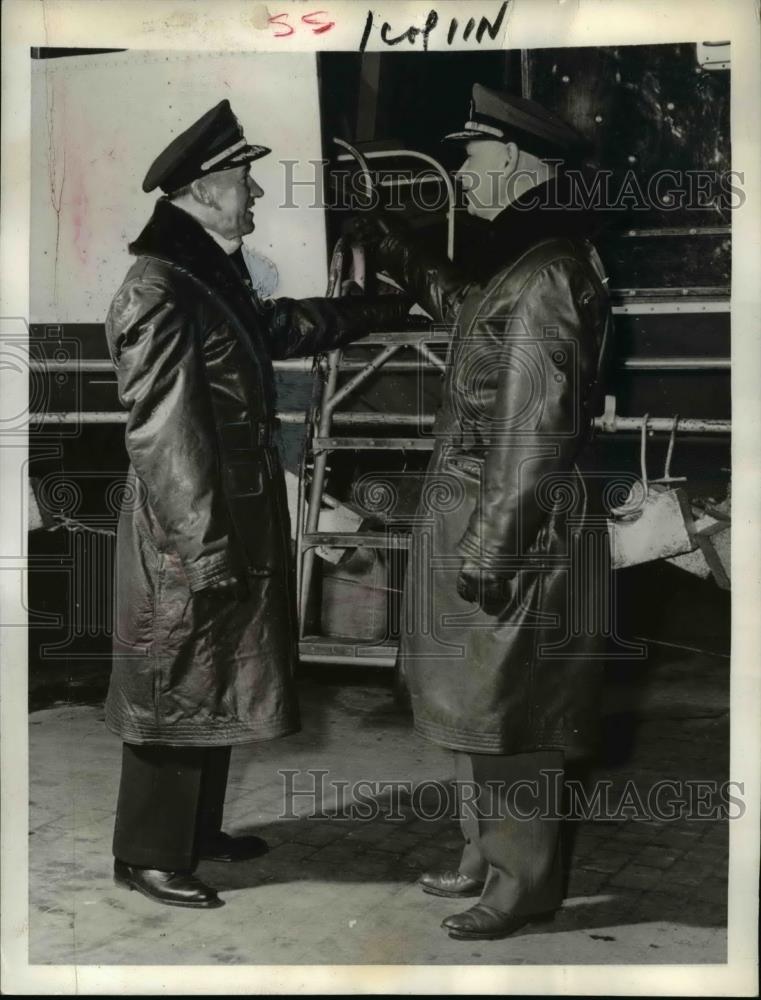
(467, 136)
(246, 155)
(254, 153)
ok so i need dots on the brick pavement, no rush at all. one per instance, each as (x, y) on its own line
(342, 891)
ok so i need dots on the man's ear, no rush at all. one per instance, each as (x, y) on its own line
(200, 191)
(511, 156)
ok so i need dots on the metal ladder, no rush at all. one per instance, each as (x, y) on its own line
(321, 440)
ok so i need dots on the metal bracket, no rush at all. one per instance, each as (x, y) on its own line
(608, 419)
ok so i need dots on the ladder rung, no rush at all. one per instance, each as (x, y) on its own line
(403, 337)
(356, 418)
(376, 444)
(329, 649)
(355, 539)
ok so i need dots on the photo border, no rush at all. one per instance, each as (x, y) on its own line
(237, 25)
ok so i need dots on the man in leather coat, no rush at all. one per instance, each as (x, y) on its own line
(505, 601)
(205, 641)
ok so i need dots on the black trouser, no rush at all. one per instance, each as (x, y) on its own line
(518, 859)
(171, 801)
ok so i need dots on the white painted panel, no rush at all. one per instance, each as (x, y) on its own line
(98, 122)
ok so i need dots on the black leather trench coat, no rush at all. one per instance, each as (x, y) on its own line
(205, 497)
(505, 489)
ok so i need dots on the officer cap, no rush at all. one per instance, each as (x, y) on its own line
(505, 118)
(214, 142)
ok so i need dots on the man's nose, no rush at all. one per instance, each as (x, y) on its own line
(254, 188)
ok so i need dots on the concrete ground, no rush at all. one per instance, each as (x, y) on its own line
(343, 891)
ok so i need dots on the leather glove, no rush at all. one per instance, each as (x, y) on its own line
(371, 227)
(491, 589)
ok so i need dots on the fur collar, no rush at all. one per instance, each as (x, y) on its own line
(540, 214)
(174, 236)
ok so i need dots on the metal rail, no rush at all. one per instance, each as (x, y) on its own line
(378, 154)
(306, 366)
(679, 231)
(666, 292)
(120, 417)
(676, 364)
(659, 424)
(688, 304)
(91, 366)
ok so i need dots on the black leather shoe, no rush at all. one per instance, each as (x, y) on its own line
(170, 888)
(450, 883)
(484, 923)
(227, 848)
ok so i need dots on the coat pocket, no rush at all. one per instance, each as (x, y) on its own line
(252, 500)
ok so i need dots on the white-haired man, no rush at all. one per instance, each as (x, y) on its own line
(205, 641)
